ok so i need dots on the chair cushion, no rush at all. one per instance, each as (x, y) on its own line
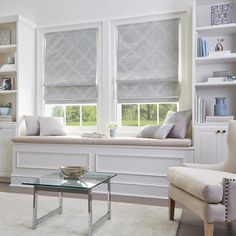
(204, 184)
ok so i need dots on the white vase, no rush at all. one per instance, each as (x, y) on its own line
(113, 133)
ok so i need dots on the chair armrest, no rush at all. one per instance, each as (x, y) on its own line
(219, 166)
(229, 199)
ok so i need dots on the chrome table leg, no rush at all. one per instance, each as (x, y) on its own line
(90, 213)
(109, 198)
(35, 206)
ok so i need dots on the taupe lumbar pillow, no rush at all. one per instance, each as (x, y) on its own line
(155, 131)
(51, 126)
(181, 121)
(32, 125)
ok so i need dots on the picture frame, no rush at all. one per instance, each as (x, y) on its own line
(5, 36)
(222, 14)
(7, 83)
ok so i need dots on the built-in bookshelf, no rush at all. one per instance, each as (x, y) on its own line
(204, 64)
(17, 69)
(210, 131)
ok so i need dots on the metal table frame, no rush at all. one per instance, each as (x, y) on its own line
(91, 226)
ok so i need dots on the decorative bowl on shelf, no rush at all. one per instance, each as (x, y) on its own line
(73, 171)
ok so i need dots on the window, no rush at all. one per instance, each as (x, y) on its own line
(145, 114)
(75, 114)
(70, 86)
(147, 71)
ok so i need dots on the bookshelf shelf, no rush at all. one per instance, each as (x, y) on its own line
(222, 84)
(217, 30)
(231, 58)
(7, 49)
(8, 91)
(7, 72)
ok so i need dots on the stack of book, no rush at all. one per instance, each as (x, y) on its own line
(202, 47)
(5, 118)
(200, 109)
(93, 135)
(219, 119)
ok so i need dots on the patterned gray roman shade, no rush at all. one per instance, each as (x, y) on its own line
(71, 67)
(147, 62)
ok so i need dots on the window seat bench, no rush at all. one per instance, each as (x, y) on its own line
(141, 163)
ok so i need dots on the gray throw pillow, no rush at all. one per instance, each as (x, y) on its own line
(163, 131)
(155, 131)
(32, 125)
(51, 126)
(148, 131)
(181, 121)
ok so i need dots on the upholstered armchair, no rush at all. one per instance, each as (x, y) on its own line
(209, 191)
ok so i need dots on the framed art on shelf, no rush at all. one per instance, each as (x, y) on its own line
(222, 14)
(7, 83)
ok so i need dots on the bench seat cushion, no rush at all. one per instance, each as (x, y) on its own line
(104, 141)
(204, 184)
(144, 142)
(52, 140)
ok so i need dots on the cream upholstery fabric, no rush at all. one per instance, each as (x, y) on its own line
(229, 199)
(104, 141)
(208, 212)
(208, 190)
(201, 183)
(144, 142)
(52, 140)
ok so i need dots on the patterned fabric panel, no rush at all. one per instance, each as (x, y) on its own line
(75, 94)
(148, 92)
(71, 59)
(148, 52)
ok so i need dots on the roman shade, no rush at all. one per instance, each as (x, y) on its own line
(71, 67)
(147, 61)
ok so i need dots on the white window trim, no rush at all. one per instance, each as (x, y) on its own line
(41, 69)
(183, 72)
(106, 105)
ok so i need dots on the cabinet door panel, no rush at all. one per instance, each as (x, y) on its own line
(224, 150)
(6, 134)
(206, 148)
(210, 144)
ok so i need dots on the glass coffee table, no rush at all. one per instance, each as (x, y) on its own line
(57, 182)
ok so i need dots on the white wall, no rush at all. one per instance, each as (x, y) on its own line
(60, 12)
(53, 12)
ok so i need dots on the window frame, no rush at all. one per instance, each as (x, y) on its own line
(106, 67)
(182, 72)
(40, 103)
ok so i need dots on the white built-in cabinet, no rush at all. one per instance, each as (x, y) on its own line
(6, 134)
(210, 144)
(210, 138)
(17, 63)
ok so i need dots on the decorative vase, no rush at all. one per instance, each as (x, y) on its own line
(113, 133)
(220, 108)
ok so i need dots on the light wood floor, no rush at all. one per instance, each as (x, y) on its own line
(190, 224)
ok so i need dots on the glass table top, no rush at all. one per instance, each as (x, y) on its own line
(57, 179)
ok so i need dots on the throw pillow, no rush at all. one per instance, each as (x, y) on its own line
(163, 131)
(148, 131)
(51, 126)
(181, 121)
(32, 125)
